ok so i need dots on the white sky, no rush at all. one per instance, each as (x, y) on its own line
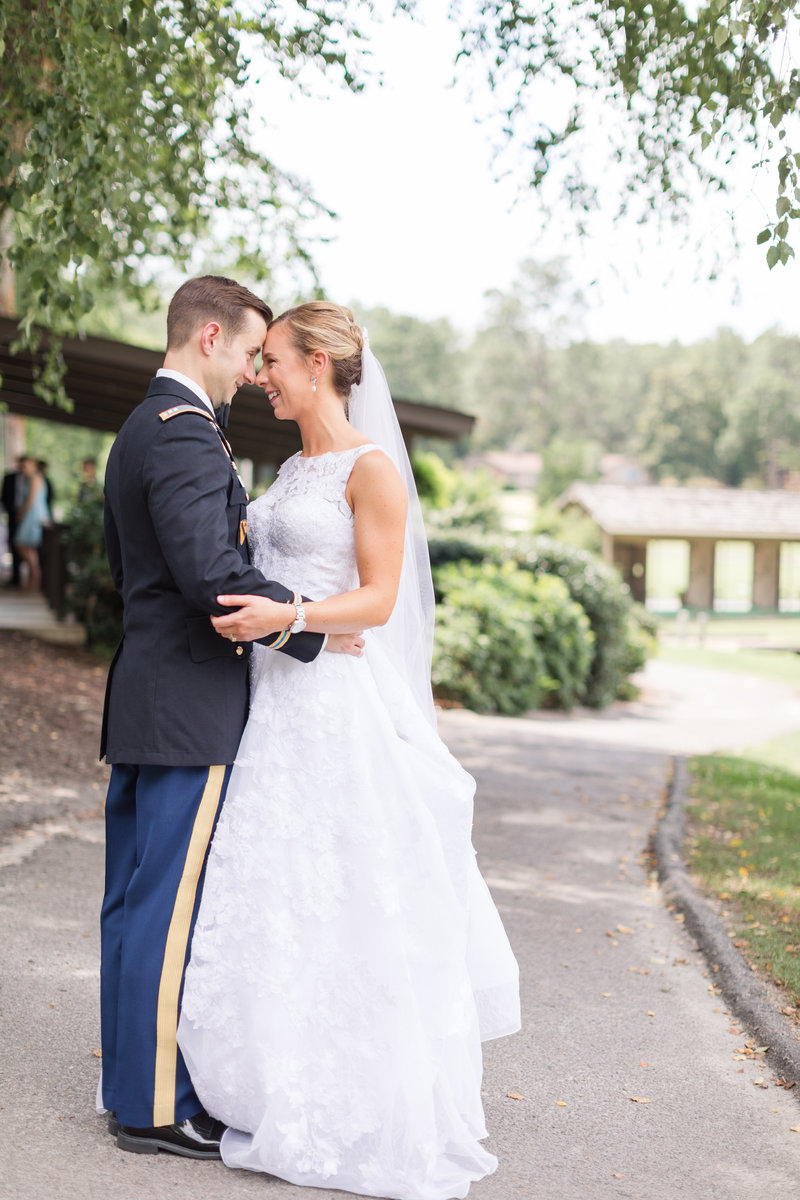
(425, 229)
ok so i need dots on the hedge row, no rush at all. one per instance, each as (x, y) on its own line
(518, 628)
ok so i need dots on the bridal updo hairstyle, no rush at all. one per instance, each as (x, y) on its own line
(320, 325)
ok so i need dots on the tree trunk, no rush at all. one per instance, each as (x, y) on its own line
(8, 294)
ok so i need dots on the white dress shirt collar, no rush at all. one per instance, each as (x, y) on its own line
(187, 382)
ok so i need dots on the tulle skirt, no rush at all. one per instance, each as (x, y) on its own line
(348, 958)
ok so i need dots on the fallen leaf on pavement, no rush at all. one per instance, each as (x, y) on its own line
(515, 1096)
(623, 929)
(561, 1103)
(641, 1100)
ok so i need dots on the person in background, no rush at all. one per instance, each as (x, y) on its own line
(88, 486)
(48, 485)
(32, 516)
(13, 483)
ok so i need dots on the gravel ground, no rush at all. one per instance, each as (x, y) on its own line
(51, 706)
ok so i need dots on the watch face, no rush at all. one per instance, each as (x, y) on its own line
(300, 621)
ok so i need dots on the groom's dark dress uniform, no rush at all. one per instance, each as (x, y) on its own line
(176, 706)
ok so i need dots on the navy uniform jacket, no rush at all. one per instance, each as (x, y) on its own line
(175, 522)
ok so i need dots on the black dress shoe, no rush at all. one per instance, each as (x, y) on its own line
(113, 1124)
(196, 1137)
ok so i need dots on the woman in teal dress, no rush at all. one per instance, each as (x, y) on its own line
(33, 515)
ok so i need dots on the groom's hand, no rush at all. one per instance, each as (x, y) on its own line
(345, 643)
(256, 617)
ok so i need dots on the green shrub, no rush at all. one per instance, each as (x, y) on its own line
(508, 642)
(606, 601)
(463, 545)
(91, 594)
(641, 641)
(484, 655)
(563, 634)
(568, 525)
(624, 633)
(455, 497)
(434, 479)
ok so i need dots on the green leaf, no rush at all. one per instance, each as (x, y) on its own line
(764, 236)
(773, 256)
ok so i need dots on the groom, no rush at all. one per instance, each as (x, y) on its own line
(176, 698)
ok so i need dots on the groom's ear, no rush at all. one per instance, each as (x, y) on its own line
(209, 335)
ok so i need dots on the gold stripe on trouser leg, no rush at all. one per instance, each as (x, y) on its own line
(169, 987)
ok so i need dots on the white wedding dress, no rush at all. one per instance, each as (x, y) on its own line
(347, 958)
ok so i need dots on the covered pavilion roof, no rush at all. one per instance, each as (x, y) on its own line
(105, 380)
(688, 512)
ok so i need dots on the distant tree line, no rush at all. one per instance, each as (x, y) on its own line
(719, 410)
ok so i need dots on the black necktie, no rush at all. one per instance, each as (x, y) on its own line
(223, 412)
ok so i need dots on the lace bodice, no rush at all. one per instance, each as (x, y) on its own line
(301, 530)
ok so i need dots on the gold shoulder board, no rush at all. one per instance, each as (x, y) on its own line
(184, 408)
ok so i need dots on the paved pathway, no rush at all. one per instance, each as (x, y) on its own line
(627, 1061)
(30, 612)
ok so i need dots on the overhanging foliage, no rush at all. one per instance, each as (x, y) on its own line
(124, 129)
(697, 84)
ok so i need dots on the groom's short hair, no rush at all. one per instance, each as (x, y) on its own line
(210, 298)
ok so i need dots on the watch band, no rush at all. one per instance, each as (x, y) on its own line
(299, 623)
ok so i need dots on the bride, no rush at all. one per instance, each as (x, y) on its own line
(347, 958)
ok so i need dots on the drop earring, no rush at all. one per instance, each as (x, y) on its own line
(313, 383)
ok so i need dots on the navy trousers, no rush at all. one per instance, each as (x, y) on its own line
(159, 824)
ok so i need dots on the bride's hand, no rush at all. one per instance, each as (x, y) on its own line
(345, 643)
(257, 617)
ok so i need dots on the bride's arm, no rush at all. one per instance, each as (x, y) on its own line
(378, 498)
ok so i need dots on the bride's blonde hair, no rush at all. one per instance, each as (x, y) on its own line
(320, 325)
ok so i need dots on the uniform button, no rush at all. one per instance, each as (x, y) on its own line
(239, 650)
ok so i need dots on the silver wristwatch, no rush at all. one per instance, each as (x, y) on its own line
(299, 623)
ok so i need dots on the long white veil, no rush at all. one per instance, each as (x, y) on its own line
(407, 637)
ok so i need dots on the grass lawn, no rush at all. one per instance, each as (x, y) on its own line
(779, 630)
(782, 751)
(744, 848)
(782, 666)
